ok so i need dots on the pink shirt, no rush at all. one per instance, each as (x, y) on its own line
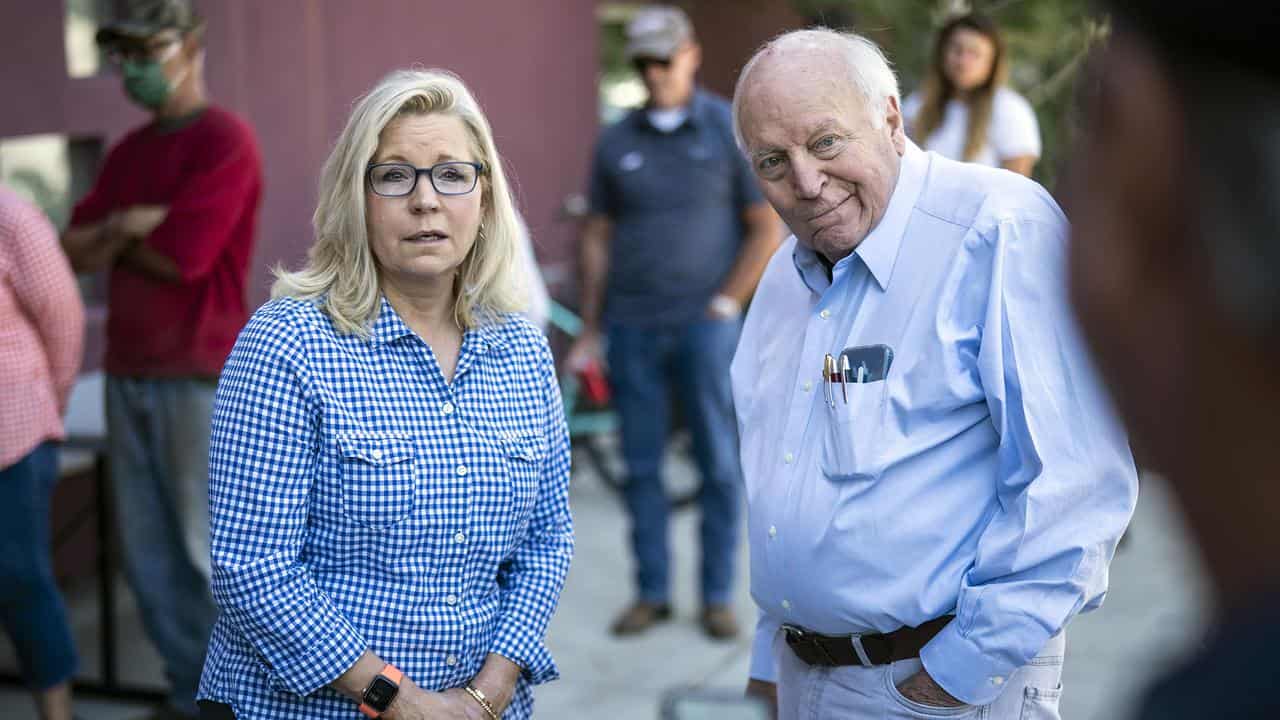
(41, 329)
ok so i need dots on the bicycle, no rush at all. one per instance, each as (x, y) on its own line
(593, 431)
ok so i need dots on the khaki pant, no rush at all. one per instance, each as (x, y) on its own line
(870, 693)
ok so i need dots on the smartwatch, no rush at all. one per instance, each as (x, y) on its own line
(381, 691)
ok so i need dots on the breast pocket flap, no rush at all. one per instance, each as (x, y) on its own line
(376, 450)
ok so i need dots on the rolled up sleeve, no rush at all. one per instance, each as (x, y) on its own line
(261, 464)
(533, 576)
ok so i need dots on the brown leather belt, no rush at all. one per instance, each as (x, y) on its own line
(865, 649)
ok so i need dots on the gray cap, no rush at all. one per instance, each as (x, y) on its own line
(143, 18)
(658, 31)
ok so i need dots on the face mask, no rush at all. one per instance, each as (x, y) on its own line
(145, 83)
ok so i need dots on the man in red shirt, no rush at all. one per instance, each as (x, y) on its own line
(172, 216)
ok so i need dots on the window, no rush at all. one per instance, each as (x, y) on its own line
(54, 171)
(82, 20)
(620, 88)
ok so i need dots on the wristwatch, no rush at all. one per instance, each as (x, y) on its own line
(381, 691)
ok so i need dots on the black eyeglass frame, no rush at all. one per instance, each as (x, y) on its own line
(419, 172)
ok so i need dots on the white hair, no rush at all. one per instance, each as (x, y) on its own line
(865, 65)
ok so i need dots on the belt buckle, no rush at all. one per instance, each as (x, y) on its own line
(797, 636)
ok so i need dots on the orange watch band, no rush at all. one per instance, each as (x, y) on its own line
(394, 676)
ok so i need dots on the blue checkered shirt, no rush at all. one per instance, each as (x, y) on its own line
(358, 501)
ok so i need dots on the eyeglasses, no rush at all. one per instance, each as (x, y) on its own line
(641, 64)
(400, 179)
(155, 50)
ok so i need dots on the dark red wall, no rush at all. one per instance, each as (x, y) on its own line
(730, 31)
(293, 67)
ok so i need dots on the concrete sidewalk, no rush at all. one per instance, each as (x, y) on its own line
(1155, 608)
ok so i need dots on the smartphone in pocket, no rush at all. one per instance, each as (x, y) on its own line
(866, 363)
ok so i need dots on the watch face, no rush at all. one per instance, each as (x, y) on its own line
(380, 693)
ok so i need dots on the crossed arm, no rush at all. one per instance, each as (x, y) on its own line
(121, 238)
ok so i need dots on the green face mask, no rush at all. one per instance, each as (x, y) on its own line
(146, 84)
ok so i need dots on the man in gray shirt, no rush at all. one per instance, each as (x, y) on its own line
(676, 240)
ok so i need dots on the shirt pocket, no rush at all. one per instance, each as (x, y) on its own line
(852, 447)
(379, 477)
(522, 457)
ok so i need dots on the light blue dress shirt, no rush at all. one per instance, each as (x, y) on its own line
(987, 476)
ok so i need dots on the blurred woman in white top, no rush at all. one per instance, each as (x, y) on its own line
(964, 110)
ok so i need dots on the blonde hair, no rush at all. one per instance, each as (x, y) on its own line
(341, 270)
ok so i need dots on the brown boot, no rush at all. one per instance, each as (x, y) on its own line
(640, 617)
(719, 622)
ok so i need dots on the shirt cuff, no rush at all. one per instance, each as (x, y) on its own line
(534, 660)
(962, 669)
(322, 664)
(764, 666)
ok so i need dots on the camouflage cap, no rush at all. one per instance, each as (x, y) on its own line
(658, 31)
(143, 18)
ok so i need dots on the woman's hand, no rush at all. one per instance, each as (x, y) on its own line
(497, 680)
(467, 708)
(414, 703)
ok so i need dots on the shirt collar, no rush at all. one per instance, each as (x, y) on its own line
(879, 249)
(389, 327)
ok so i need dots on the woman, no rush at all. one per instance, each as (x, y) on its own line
(964, 111)
(41, 335)
(389, 463)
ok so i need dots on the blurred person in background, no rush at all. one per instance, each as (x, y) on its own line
(539, 306)
(927, 519)
(41, 337)
(675, 242)
(964, 110)
(172, 217)
(390, 461)
(1175, 274)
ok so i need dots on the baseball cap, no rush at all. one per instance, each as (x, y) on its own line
(143, 18)
(658, 31)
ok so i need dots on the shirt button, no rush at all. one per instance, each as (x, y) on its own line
(786, 604)
(773, 531)
(460, 538)
(447, 408)
(788, 458)
(452, 599)
(376, 454)
(462, 469)
(824, 314)
(451, 660)
(808, 386)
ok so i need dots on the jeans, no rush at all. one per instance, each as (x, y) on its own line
(31, 609)
(644, 364)
(158, 453)
(852, 692)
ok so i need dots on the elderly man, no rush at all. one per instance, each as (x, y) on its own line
(935, 484)
(1174, 272)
